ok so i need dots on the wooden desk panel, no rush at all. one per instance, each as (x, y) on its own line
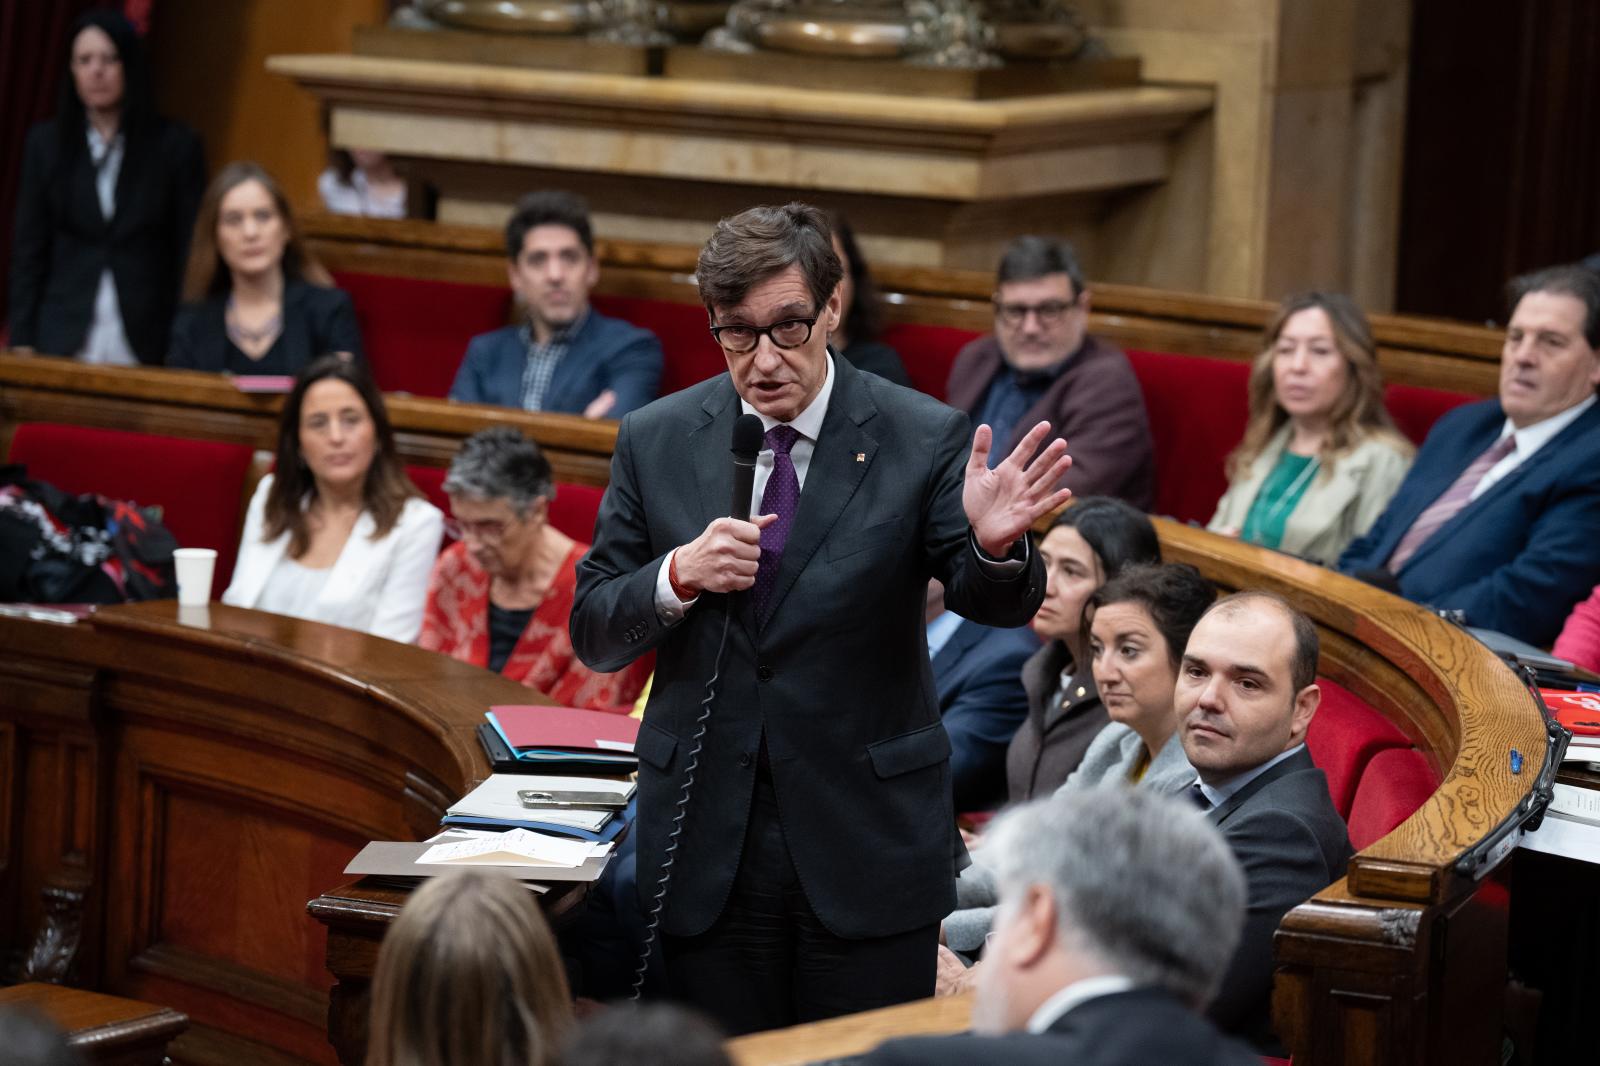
(206, 772)
(105, 1030)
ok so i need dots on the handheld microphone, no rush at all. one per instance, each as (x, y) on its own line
(747, 436)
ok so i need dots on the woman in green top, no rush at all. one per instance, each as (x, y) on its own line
(1320, 456)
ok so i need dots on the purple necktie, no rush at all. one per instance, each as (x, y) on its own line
(1447, 506)
(781, 497)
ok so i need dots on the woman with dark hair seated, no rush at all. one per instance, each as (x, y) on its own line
(1320, 456)
(338, 533)
(1135, 628)
(1090, 543)
(500, 596)
(468, 975)
(259, 302)
(105, 207)
(856, 337)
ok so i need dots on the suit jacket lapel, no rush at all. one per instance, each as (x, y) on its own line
(353, 564)
(1301, 760)
(831, 479)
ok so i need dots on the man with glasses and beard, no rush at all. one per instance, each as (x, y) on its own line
(818, 851)
(1040, 364)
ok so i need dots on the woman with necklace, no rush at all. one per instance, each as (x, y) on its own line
(105, 206)
(260, 303)
(1320, 456)
(337, 533)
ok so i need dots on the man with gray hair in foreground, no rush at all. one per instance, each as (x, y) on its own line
(1119, 911)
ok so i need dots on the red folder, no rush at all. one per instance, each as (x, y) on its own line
(1578, 711)
(573, 728)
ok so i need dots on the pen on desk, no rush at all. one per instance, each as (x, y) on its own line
(1516, 761)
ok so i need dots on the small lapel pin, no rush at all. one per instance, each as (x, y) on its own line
(861, 457)
(1080, 692)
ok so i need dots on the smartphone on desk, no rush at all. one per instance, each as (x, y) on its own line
(535, 799)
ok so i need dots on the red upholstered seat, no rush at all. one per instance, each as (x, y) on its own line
(1345, 735)
(928, 352)
(1415, 409)
(1397, 781)
(575, 509)
(197, 484)
(430, 479)
(416, 331)
(1197, 408)
(689, 354)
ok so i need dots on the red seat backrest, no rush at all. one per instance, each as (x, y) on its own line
(928, 352)
(1345, 735)
(1397, 781)
(689, 354)
(1415, 409)
(575, 509)
(1197, 408)
(416, 331)
(197, 484)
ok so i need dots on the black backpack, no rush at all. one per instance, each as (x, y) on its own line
(60, 548)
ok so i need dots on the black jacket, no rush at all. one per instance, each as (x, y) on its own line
(316, 321)
(63, 242)
(1142, 1027)
(836, 677)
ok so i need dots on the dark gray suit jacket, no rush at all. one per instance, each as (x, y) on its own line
(1287, 834)
(1142, 1027)
(836, 676)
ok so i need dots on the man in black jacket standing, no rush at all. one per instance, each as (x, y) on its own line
(818, 852)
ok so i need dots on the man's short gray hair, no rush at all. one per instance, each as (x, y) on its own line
(1142, 882)
(499, 463)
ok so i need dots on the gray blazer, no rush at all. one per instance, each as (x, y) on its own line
(1114, 753)
(1338, 506)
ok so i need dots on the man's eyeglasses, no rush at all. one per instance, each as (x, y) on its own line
(1049, 313)
(790, 333)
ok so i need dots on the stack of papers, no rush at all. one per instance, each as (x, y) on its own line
(562, 740)
(494, 805)
(515, 847)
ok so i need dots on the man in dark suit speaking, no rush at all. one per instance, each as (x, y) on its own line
(818, 851)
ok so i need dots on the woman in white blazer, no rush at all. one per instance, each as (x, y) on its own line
(1320, 456)
(338, 533)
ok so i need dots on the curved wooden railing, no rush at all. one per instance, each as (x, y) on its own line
(205, 773)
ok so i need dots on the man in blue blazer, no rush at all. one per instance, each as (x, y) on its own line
(817, 853)
(977, 673)
(1497, 517)
(568, 356)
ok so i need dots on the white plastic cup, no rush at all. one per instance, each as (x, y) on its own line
(195, 567)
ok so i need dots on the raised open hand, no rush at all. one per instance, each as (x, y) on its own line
(1002, 503)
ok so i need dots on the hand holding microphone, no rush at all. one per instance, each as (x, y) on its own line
(724, 557)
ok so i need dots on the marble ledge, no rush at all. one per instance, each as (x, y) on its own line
(404, 84)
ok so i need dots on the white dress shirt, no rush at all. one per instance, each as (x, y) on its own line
(1076, 995)
(1529, 440)
(106, 341)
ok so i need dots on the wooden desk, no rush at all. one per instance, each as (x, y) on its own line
(357, 916)
(852, 1035)
(105, 1030)
(218, 769)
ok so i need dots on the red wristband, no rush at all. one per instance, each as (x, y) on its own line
(678, 589)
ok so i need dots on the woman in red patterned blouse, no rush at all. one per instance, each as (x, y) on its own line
(501, 595)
